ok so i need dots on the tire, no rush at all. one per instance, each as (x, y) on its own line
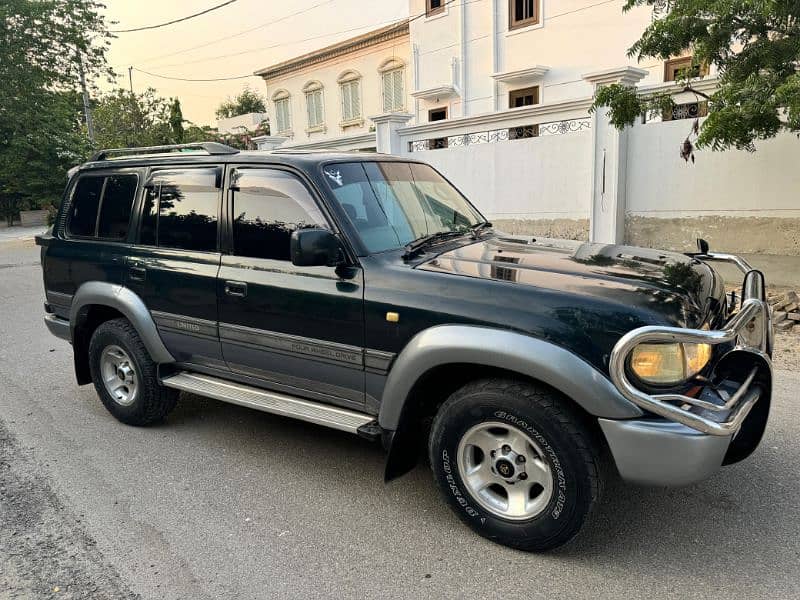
(134, 395)
(513, 418)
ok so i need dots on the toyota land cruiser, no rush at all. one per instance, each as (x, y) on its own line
(365, 293)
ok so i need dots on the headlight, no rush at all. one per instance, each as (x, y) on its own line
(666, 364)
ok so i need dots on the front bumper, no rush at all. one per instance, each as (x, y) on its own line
(692, 436)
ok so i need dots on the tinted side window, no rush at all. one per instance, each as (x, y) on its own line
(268, 205)
(180, 210)
(85, 202)
(115, 210)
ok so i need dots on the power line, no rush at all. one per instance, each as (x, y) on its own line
(208, 10)
(325, 35)
(187, 79)
(228, 37)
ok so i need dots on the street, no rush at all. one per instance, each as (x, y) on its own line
(225, 502)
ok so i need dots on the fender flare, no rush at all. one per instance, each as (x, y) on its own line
(130, 305)
(505, 349)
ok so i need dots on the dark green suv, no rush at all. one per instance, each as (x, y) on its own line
(365, 293)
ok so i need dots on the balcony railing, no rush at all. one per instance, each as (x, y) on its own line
(502, 135)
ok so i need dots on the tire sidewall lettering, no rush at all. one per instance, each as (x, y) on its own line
(561, 479)
(460, 498)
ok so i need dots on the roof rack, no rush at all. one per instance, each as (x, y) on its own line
(209, 147)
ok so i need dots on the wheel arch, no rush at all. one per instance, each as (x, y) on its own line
(442, 359)
(96, 302)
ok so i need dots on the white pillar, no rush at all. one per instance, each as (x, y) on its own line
(268, 142)
(387, 141)
(609, 159)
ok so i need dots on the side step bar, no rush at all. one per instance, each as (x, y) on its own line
(275, 403)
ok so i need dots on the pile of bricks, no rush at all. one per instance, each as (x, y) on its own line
(785, 310)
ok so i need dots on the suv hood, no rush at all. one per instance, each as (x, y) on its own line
(671, 287)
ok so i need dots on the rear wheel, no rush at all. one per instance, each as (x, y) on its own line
(515, 463)
(125, 377)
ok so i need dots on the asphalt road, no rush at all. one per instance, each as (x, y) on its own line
(225, 502)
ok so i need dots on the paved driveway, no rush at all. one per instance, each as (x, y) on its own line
(224, 502)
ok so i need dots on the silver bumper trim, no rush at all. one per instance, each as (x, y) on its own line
(58, 327)
(749, 329)
(663, 453)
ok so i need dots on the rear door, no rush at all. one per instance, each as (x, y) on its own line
(174, 265)
(96, 226)
(293, 329)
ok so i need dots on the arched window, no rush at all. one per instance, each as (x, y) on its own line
(283, 121)
(350, 91)
(314, 106)
(393, 85)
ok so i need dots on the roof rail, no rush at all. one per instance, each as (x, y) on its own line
(209, 147)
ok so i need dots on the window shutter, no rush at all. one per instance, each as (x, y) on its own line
(346, 102)
(355, 100)
(397, 89)
(387, 92)
(319, 108)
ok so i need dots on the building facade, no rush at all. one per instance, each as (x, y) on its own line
(483, 56)
(324, 99)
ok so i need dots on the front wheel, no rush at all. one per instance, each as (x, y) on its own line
(515, 463)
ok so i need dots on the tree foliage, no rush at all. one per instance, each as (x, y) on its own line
(125, 120)
(246, 102)
(43, 46)
(755, 46)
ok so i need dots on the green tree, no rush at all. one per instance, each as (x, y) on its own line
(176, 120)
(755, 45)
(43, 47)
(246, 102)
(125, 120)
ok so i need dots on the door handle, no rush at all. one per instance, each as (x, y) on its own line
(137, 273)
(236, 288)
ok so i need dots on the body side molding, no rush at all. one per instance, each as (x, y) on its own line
(129, 304)
(536, 358)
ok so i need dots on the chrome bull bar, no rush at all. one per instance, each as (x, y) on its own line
(750, 329)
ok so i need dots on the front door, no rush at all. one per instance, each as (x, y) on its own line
(293, 329)
(174, 265)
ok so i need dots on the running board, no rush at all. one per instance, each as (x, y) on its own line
(272, 402)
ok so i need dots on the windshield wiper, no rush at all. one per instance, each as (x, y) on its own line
(414, 246)
(478, 227)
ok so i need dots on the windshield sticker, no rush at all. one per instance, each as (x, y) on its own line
(334, 175)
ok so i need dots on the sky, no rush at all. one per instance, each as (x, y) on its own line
(259, 33)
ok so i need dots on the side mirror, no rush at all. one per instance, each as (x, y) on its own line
(315, 248)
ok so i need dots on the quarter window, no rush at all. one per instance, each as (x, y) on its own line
(268, 205)
(85, 203)
(434, 7)
(180, 210)
(101, 207)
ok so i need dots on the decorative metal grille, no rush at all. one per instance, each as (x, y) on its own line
(502, 135)
(690, 110)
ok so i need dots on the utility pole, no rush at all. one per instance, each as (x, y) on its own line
(130, 78)
(87, 109)
(133, 100)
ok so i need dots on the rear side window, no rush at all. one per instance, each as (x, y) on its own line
(101, 206)
(268, 205)
(180, 210)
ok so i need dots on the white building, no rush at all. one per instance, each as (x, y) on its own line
(324, 99)
(483, 56)
(246, 123)
(496, 95)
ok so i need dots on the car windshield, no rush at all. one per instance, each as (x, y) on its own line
(394, 203)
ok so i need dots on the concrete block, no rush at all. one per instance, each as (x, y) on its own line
(784, 325)
(793, 316)
(778, 316)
